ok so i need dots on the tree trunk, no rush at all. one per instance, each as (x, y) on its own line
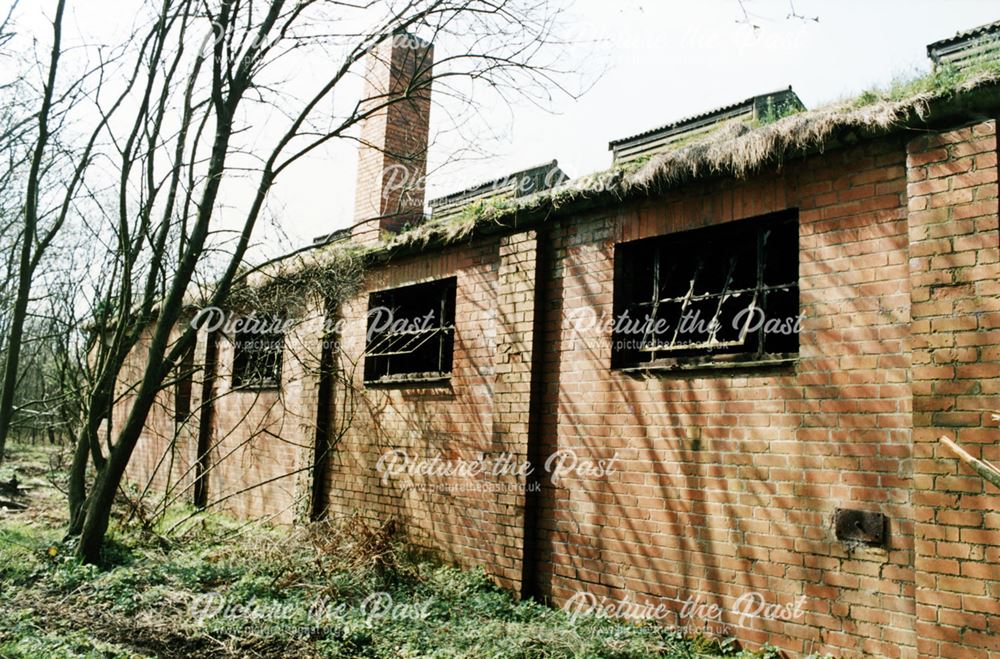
(87, 445)
(14, 343)
(98, 509)
(77, 484)
(28, 260)
(110, 473)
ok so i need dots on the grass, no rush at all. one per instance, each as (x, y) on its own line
(943, 81)
(333, 589)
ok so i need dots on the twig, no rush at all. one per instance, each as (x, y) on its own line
(746, 17)
(794, 14)
(985, 469)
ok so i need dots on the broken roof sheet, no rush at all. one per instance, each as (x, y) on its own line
(517, 184)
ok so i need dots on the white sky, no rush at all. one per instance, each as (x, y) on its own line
(668, 59)
(662, 60)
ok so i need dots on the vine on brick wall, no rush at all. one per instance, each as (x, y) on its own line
(289, 286)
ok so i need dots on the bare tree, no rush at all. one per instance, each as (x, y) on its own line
(753, 21)
(40, 180)
(172, 114)
(13, 298)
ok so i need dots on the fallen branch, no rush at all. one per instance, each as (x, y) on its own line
(12, 505)
(985, 469)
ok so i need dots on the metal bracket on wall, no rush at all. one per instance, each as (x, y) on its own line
(860, 526)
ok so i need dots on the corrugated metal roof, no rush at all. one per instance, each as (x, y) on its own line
(472, 189)
(339, 234)
(976, 45)
(659, 138)
(682, 122)
(965, 35)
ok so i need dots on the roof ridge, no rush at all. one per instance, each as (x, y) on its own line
(965, 34)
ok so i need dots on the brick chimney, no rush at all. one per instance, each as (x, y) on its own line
(392, 157)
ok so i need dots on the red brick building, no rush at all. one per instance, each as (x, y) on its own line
(710, 460)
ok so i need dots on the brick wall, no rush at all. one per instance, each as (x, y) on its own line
(259, 457)
(952, 186)
(478, 412)
(725, 481)
(256, 464)
(728, 481)
(163, 462)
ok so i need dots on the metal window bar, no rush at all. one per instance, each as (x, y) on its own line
(406, 342)
(398, 342)
(261, 360)
(718, 308)
(755, 293)
(440, 360)
(385, 346)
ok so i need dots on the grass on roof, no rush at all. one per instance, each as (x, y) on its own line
(735, 148)
(941, 83)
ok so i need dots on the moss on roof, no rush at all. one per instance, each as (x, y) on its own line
(733, 149)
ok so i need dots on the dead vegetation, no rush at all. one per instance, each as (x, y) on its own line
(734, 148)
(345, 587)
(329, 274)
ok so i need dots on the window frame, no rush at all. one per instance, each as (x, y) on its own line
(381, 374)
(241, 361)
(706, 355)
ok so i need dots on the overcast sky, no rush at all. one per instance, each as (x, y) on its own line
(661, 60)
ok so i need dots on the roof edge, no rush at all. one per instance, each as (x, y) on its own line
(976, 104)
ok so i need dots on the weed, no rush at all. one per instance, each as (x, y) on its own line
(338, 588)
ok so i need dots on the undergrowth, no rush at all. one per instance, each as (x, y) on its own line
(337, 589)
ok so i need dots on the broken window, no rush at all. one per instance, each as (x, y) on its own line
(257, 359)
(722, 294)
(411, 332)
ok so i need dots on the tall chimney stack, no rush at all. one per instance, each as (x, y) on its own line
(392, 157)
